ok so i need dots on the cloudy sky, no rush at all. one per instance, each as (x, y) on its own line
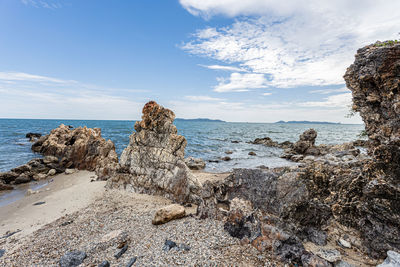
(253, 60)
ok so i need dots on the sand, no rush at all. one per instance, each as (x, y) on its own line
(63, 195)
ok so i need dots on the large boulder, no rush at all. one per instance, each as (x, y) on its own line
(374, 79)
(80, 148)
(153, 162)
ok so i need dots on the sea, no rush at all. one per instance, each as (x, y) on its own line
(208, 140)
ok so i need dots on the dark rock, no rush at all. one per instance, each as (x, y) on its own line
(104, 264)
(121, 252)
(226, 158)
(238, 228)
(235, 142)
(39, 203)
(266, 141)
(72, 258)
(228, 152)
(168, 245)
(22, 179)
(2, 252)
(213, 161)
(251, 153)
(131, 262)
(33, 136)
(184, 247)
(8, 177)
(21, 169)
(66, 223)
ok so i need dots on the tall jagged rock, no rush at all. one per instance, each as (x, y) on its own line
(81, 148)
(153, 162)
(374, 80)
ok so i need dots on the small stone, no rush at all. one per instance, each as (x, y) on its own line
(2, 252)
(168, 245)
(235, 142)
(104, 264)
(50, 159)
(331, 255)
(52, 172)
(251, 153)
(131, 262)
(121, 252)
(39, 203)
(168, 213)
(184, 247)
(31, 192)
(70, 171)
(72, 258)
(344, 243)
(228, 152)
(392, 260)
(226, 158)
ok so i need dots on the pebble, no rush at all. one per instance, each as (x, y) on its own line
(72, 258)
(344, 243)
(168, 245)
(121, 252)
(2, 252)
(39, 203)
(331, 255)
(131, 262)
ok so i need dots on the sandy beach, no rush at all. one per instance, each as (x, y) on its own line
(81, 215)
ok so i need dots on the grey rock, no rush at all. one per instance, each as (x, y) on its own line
(50, 159)
(2, 252)
(104, 264)
(344, 243)
(131, 262)
(72, 258)
(392, 260)
(195, 163)
(22, 179)
(331, 255)
(121, 252)
(168, 245)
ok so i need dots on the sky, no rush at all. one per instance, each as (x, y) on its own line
(235, 60)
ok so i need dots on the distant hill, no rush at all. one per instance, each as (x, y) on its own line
(309, 122)
(199, 120)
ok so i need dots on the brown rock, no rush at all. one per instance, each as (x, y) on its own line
(168, 213)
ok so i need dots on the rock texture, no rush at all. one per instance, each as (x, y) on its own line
(80, 148)
(195, 163)
(168, 213)
(153, 162)
(374, 80)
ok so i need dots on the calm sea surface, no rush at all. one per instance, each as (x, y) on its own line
(207, 140)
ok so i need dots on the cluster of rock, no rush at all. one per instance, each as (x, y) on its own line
(267, 141)
(80, 148)
(35, 170)
(153, 162)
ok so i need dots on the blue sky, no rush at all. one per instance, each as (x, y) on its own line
(256, 61)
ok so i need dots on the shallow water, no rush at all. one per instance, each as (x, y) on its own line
(207, 140)
(20, 191)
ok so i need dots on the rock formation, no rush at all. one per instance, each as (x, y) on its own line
(374, 80)
(195, 163)
(153, 162)
(80, 148)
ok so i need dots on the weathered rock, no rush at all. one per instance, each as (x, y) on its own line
(251, 153)
(374, 79)
(392, 260)
(226, 158)
(81, 148)
(195, 163)
(153, 161)
(72, 258)
(121, 252)
(168, 245)
(228, 152)
(168, 213)
(8, 177)
(266, 141)
(309, 260)
(131, 262)
(52, 172)
(22, 179)
(306, 142)
(331, 255)
(104, 264)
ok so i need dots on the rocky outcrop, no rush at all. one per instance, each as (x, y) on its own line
(153, 161)
(33, 136)
(267, 141)
(80, 148)
(374, 79)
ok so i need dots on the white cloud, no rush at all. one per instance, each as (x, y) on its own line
(50, 4)
(329, 91)
(227, 68)
(333, 101)
(238, 82)
(266, 94)
(304, 43)
(25, 95)
(202, 98)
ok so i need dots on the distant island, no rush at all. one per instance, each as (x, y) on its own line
(309, 122)
(199, 119)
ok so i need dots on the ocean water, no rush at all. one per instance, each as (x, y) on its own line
(206, 140)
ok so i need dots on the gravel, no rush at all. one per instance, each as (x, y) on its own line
(118, 219)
